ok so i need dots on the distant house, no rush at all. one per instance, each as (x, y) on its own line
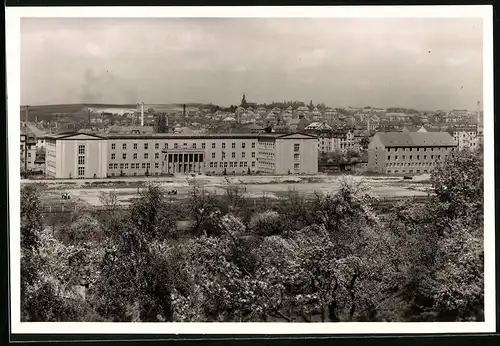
(409, 128)
(466, 137)
(253, 128)
(319, 126)
(398, 116)
(293, 124)
(303, 123)
(131, 129)
(229, 119)
(38, 134)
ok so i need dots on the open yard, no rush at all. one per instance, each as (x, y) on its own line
(88, 191)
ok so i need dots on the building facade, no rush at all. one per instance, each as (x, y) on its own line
(75, 155)
(294, 153)
(335, 140)
(466, 137)
(408, 153)
(91, 156)
(27, 151)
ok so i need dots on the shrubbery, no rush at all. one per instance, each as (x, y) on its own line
(327, 259)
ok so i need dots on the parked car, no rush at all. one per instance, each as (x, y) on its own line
(66, 196)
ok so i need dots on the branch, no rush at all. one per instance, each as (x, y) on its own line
(288, 319)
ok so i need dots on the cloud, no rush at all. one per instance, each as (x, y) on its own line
(104, 86)
(335, 61)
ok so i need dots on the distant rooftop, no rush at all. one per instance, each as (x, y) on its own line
(416, 139)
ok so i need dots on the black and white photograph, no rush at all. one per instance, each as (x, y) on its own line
(311, 170)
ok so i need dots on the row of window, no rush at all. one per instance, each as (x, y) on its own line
(397, 164)
(403, 157)
(404, 171)
(124, 156)
(232, 164)
(133, 165)
(233, 155)
(176, 145)
(411, 149)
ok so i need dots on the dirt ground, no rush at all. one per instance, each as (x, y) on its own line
(88, 191)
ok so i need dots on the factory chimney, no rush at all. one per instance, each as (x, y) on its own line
(27, 111)
(184, 111)
(478, 117)
(136, 113)
(478, 111)
(142, 114)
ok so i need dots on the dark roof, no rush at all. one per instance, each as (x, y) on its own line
(35, 130)
(253, 126)
(433, 129)
(416, 139)
(412, 128)
(285, 135)
(303, 123)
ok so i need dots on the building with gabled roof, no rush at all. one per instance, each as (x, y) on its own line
(409, 152)
(75, 155)
(318, 126)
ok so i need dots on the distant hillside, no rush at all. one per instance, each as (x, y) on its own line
(80, 110)
(48, 112)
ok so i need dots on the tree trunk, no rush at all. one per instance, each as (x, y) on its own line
(353, 296)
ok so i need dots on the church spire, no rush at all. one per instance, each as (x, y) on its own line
(243, 101)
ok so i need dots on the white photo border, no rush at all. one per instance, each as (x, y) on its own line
(13, 16)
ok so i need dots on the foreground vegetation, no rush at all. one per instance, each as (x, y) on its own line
(330, 259)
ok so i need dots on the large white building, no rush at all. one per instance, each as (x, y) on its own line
(78, 155)
(294, 153)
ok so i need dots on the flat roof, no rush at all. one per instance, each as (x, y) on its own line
(179, 135)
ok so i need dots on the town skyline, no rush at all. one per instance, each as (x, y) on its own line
(426, 64)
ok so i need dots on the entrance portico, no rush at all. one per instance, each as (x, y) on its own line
(183, 161)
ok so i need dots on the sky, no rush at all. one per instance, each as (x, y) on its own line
(420, 63)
